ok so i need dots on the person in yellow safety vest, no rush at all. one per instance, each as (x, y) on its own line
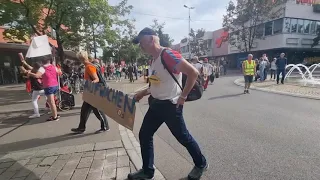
(249, 70)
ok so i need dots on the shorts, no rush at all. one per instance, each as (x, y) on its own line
(51, 90)
(248, 78)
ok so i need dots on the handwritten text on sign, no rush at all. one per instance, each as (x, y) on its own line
(114, 103)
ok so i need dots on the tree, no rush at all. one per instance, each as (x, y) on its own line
(123, 48)
(165, 39)
(198, 46)
(66, 18)
(99, 19)
(245, 20)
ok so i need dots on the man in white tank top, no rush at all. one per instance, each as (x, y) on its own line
(166, 104)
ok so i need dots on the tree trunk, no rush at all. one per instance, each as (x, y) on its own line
(60, 47)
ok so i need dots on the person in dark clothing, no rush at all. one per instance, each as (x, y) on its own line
(130, 73)
(281, 67)
(91, 73)
(135, 70)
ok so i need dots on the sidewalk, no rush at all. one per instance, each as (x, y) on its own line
(104, 160)
(36, 149)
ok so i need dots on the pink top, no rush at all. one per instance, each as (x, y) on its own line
(49, 77)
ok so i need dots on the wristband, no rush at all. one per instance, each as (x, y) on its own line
(184, 98)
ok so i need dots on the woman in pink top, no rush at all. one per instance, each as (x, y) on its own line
(49, 75)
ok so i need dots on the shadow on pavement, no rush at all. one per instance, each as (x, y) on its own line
(33, 143)
(225, 96)
(12, 169)
(13, 96)
(12, 119)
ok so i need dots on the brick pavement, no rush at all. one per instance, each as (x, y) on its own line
(96, 161)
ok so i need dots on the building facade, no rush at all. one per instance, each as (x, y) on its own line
(292, 33)
(206, 40)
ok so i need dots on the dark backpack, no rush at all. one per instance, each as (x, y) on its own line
(99, 74)
(197, 90)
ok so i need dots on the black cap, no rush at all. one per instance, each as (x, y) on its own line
(144, 32)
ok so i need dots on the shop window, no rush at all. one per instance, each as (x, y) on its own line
(286, 25)
(294, 25)
(313, 26)
(277, 26)
(268, 28)
(300, 26)
(306, 26)
(260, 31)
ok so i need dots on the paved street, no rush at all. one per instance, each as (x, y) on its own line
(256, 136)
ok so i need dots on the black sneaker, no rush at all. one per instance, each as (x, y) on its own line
(77, 130)
(102, 130)
(248, 92)
(139, 175)
(53, 119)
(245, 92)
(196, 172)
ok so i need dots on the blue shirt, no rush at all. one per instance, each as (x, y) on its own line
(281, 63)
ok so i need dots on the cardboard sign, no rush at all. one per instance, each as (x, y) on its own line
(115, 104)
(39, 47)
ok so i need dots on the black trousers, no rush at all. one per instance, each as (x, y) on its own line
(86, 109)
(283, 73)
(130, 77)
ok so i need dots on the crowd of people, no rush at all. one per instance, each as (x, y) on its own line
(130, 71)
(260, 68)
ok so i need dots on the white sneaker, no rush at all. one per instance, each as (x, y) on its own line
(34, 116)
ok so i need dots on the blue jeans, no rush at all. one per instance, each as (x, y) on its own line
(165, 112)
(51, 90)
(283, 74)
(261, 74)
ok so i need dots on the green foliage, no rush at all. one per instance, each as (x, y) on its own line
(75, 22)
(243, 20)
(165, 39)
(198, 46)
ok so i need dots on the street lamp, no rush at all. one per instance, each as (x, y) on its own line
(189, 48)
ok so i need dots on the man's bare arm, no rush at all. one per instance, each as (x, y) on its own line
(192, 75)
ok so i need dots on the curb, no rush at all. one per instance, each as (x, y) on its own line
(237, 82)
(132, 146)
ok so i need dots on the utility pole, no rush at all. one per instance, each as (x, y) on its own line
(189, 47)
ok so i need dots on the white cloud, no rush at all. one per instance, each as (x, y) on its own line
(207, 14)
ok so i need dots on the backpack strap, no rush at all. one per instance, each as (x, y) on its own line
(166, 67)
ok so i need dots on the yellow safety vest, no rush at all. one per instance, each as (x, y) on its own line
(249, 67)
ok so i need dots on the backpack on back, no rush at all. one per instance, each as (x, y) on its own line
(99, 74)
(197, 90)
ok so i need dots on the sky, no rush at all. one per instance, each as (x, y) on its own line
(206, 14)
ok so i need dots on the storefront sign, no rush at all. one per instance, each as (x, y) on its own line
(114, 103)
(223, 38)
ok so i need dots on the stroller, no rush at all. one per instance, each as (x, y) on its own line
(64, 98)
